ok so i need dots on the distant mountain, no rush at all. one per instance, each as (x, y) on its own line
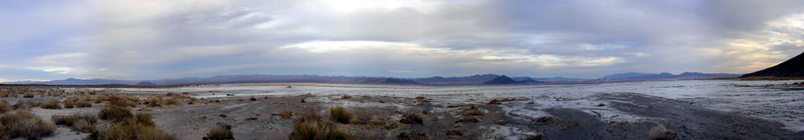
(475, 79)
(74, 81)
(665, 75)
(146, 84)
(790, 68)
(622, 76)
(507, 80)
(384, 81)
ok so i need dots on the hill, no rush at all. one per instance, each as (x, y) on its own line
(384, 81)
(665, 75)
(790, 68)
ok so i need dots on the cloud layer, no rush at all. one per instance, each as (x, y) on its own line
(154, 39)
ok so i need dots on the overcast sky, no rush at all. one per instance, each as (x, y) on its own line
(154, 39)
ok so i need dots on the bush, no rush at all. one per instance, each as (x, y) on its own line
(144, 119)
(286, 114)
(25, 124)
(115, 113)
(172, 101)
(412, 135)
(5, 107)
(411, 119)
(28, 95)
(129, 131)
(339, 114)
(70, 120)
(661, 133)
(82, 104)
(26, 104)
(317, 130)
(83, 126)
(121, 101)
(52, 104)
(221, 132)
(69, 104)
(154, 102)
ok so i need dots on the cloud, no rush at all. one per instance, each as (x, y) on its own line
(154, 39)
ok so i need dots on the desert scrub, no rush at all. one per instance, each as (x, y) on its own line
(5, 107)
(129, 131)
(154, 102)
(70, 103)
(286, 114)
(173, 100)
(339, 114)
(28, 95)
(25, 124)
(220, 132)
(144, 119)
(52, 104)
(82, 104)
(78, 122)
(26, 104)
(411, 119)
(115, 113)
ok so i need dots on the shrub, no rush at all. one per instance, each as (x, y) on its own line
(412, 135)
(286, 114)
(83, 126)
(172, 101)
(82, 104)
(411, 119)
(26, 104)
(129, 131)
(52, 104)
(376, 121)
(69, 104)
(661, 133)
(339, 114)
(5, 107)
(221, 132)
(120, 100)
(154, 102)
(70, 120)
(28, 95)
(115, 113)
(316, 130)
(25, 124)
(144, 119)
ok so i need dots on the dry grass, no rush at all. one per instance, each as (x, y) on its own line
(154, 102)
(412, 135)
(339, 114)
(28, 95)
(661, 133)
(25, 124)
(411, 119)
(376, 121)
(52, 104)
(286, 114)
(129, 131)
(310, 127)
(5, 107)
(79, 122)
(115, 113)
(173, 100)
(82, 104)
(144, 119)
(26, 104)
(221, 132)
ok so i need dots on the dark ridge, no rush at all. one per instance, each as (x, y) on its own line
(790, 68)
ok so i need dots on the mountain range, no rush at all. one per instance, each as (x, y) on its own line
(474, 79)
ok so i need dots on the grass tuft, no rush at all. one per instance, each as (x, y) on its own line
(115, 113)
(339, 114)
(411, 119)
(25, 124)
(52, 104)
(221, 132)
(5, 107)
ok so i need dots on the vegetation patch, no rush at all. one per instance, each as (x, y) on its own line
(52, 104)
(25, 124)
(221, 132)
(115, 113)
(339, 114)
(310, 127)
(412, 135)
(79, 122)
(411, 119)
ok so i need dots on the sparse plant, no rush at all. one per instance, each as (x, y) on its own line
(144, 119)
(52, 104)
(286, 114)
(5, 107)
(173, 100)
(28, 95)
(339, 114)
(82, 104)
(25, 124)
(411, 119)
(79, 122)
(115, 113)
(221, 132)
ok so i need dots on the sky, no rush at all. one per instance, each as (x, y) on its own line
(156, 39)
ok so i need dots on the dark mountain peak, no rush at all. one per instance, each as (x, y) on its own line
(501, 80)
(146, 84)
(790, 68)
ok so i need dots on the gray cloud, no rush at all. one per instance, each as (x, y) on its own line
(170, 39)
